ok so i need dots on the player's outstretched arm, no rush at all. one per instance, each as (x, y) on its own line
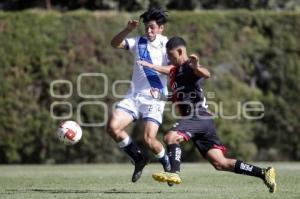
(198, 68)
(118, 40)
(161, 69)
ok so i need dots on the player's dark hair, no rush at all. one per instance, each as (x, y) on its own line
(175, 42)
(155, 14)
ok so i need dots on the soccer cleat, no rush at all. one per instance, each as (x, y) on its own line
(138, 169)
(167, 168)
(269, 179)
(170, 178)
(170, 184)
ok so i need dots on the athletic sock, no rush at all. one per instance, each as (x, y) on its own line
(174, 153)
(164, 159)
(131, 149)
(248, 169)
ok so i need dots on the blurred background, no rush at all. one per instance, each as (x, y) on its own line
(252, 48)
(138, 5)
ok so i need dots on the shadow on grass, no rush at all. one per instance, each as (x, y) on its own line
(66, 191)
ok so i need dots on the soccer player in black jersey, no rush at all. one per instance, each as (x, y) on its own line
(186, 79)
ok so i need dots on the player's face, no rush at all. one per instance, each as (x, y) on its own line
(174, 56)
(152, 29)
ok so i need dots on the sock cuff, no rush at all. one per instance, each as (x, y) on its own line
(237, 166)
(241, 167)
(125, 142)
(161, 153)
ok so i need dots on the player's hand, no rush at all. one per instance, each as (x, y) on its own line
(155, 93)
(132, 24)
(194, 61)
(144, 63)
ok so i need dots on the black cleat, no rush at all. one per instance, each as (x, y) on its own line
(138, 169)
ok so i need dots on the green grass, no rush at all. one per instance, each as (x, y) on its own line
(113, 181)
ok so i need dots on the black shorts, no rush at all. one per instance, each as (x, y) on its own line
(201, 131)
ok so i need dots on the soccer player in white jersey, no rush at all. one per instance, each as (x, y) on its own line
(142, 100)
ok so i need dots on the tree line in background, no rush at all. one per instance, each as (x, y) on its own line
(136, 5)
(253, 56)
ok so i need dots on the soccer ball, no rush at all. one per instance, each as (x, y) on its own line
(69, 132)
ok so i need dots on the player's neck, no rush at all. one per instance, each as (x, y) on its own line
(151, 40)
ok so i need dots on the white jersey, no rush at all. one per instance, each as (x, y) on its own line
(144, 78)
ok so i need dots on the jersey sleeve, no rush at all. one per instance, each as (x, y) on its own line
(130, 43)
(166, 59)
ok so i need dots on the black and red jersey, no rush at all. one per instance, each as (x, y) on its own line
(187, 90)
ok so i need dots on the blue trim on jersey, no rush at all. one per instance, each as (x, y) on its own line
(127, 111)
(152, 120)
(150, 73)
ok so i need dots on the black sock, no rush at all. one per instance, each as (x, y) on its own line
(134, 152)
(174, 153)
(165, 162)
(248, 169)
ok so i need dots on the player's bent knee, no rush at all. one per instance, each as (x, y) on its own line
(167, 139)
(171, 138)
(113, 128)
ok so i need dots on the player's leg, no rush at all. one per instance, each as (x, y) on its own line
(172, 139)
(182, 130)
(221, 163)
(152, 111)
(120, 118)
(211, 148)
(209, 145)
(117, 123)
(150, 140)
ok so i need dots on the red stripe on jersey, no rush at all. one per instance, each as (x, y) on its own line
(172, 74)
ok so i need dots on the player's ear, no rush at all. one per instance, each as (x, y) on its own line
(180, 51)
(161, 29)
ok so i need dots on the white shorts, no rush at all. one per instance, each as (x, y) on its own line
(148, 108)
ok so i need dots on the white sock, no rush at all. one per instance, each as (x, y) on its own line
(160, 154)
(125, 142)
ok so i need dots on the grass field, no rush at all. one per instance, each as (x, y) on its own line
(113, 181)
